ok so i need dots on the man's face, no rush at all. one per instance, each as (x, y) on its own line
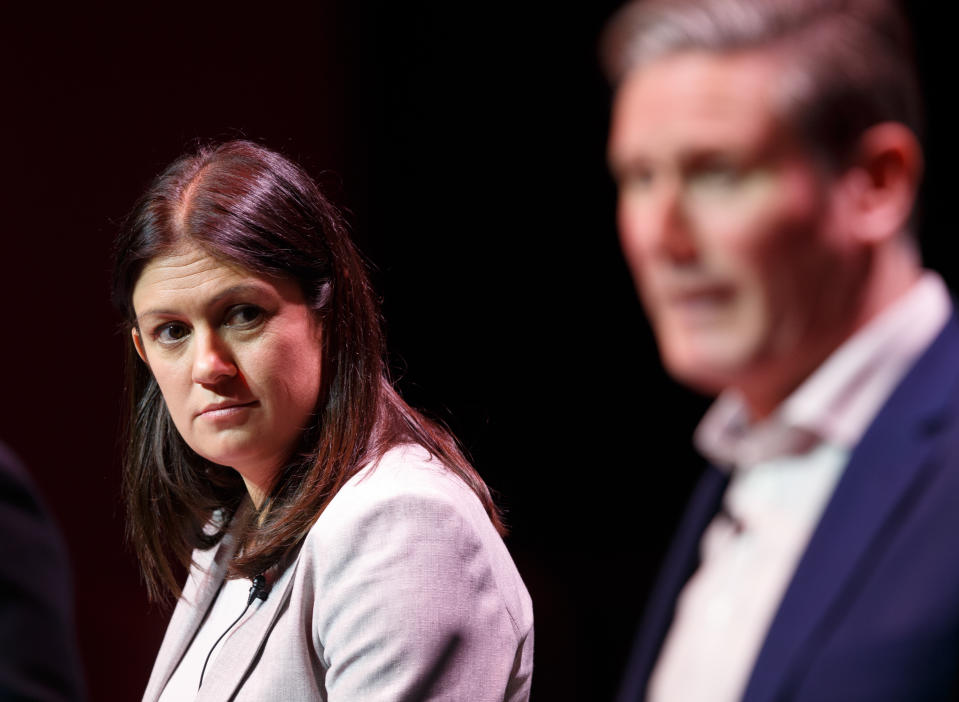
(727, 223)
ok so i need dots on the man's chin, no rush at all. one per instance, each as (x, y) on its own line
(707, 371)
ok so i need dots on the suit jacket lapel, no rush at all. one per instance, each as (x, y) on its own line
(681, 562)
(242, 648)
(201, 587)
(887, 465)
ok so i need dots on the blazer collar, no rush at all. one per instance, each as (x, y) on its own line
(203, 583)
(888, 464)
(241, 648)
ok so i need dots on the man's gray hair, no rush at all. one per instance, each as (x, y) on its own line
(848, 64)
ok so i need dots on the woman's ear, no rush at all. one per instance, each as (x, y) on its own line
(882, 181)
(138, 345)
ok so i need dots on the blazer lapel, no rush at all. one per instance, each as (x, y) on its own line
(889, 463)
(681, 562)
(242, 648)
(201, 587)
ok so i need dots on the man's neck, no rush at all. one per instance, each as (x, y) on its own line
(893, 272)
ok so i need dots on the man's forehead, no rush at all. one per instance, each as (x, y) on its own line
(696, 96)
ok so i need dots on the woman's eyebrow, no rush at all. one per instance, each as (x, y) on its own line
(156, 312)
(238, 290)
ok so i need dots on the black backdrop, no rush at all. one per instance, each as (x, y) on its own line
(466, 142)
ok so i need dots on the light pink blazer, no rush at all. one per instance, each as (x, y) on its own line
(402, 590)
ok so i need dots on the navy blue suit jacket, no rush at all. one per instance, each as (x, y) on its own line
(872, 612)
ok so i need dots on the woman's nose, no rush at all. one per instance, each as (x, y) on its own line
(212, 360)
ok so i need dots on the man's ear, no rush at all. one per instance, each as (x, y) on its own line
(138, 345)
(882, 181)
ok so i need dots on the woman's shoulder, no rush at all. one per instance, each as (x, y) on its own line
(409, 499)
(405, 481)
(409, 508)
(404, 469)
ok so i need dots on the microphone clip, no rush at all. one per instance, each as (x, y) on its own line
(259, 589)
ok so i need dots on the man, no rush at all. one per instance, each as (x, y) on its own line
(767, 160)
(39, 660)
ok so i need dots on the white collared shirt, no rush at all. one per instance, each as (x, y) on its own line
(784, 470)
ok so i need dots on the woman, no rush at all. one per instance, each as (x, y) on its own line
(266, 445)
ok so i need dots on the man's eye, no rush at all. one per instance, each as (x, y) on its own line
(637, 178)
(716, 175)
(244, 316)
(170, 333)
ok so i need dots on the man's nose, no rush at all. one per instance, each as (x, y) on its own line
(212, 361)
(671, 234)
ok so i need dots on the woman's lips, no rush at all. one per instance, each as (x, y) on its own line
(220, 410)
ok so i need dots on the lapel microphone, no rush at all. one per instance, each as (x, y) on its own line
(259, 589)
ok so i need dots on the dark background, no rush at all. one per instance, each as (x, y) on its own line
(466, 143)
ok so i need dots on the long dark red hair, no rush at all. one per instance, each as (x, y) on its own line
(251, 206)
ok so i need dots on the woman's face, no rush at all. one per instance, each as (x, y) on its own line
(236, 355)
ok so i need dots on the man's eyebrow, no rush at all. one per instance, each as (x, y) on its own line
(618, 166)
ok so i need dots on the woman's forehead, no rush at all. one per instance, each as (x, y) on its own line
(187, 269)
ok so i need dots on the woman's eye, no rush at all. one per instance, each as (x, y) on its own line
(170, 333)
(244, 316)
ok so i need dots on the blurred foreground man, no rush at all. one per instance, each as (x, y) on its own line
(767, 158)
(39, 660)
